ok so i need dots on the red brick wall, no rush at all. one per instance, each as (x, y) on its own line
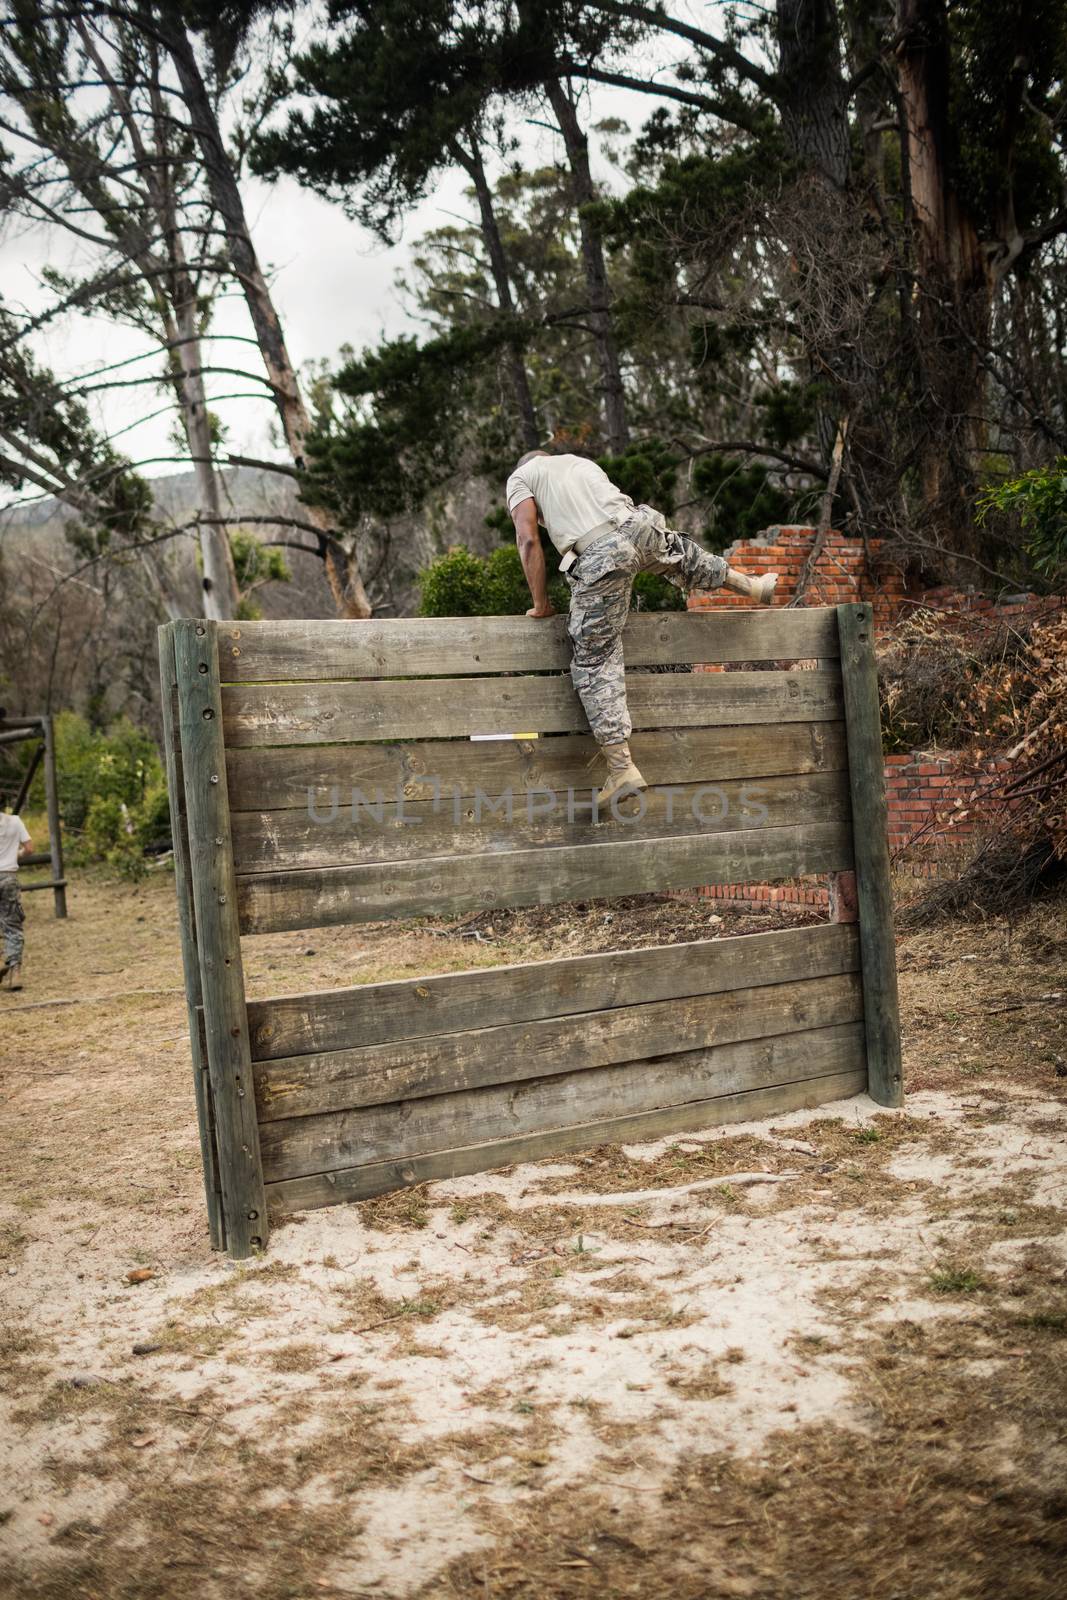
(933, 803)
(839, 575)
(801, 892)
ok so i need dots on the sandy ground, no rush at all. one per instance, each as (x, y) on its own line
(814, 1358)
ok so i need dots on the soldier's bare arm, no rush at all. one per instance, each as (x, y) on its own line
(532, 556)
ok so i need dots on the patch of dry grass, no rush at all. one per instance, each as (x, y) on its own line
(209, 1510)
(953, 1486)
(296, 1356)
(23, 1353)
(976, 1006)
(403, 1209)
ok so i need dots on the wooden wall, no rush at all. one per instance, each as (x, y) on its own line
(756, 774)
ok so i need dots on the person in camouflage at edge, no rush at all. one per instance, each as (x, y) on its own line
(605, 541)
(14, 842)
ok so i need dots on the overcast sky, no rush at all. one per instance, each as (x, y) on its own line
(333, 284)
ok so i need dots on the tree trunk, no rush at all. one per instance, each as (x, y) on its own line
(953, 279)
(174, 297)
(472, 163)
(812, 93)
(342, 568)
(812, 98)
(616, 430)
(219, 580)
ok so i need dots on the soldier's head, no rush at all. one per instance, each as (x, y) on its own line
(529, 457)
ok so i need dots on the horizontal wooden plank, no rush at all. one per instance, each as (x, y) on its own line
(299, 1146)
(364, 1182)
(375, 1013)
(326, 713)
(276, 778)
(303, 1087)
(322, 896)
(277, 651)
(370, 829)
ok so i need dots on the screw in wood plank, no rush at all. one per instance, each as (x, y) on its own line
(214, 778)
(202, 667)
(207, 714)
(253, 1215)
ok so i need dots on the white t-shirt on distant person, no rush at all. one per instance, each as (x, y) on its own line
(12, 834)
(573, 495)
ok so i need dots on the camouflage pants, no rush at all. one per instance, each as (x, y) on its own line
(600, 583)
(12, 917)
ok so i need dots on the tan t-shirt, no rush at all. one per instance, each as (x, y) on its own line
(573, 495)
(12, 834)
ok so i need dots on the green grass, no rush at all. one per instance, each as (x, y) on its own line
(956, 1280)
(1045, 1321)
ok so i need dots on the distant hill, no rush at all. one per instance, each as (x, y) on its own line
(391, 555)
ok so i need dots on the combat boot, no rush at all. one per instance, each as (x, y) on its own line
(758, 589)
(623, 777)
(14, 976)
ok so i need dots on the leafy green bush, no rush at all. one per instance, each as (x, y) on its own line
(120, 763)
(461, 584)
(1039, 499)
(507, 592)
(155, 815)
(111, 835)
(653, 593)
(112, 792)
(454, 586)
(119, 834)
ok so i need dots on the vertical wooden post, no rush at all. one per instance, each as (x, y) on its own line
(55, 841)
(30, 774)
(214, 891)
(841, 885)
(187, 928)
(870, 835)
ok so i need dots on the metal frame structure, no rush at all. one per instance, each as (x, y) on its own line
(16, 730)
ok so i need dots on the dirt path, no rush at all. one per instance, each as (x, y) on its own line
(840, 1373)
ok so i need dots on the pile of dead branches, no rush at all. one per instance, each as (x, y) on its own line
(948, 679)
(997, 693)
